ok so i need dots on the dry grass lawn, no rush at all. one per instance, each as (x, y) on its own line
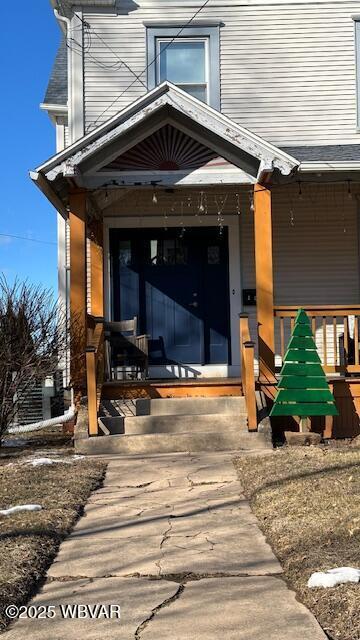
(29, 541)
(308, 504)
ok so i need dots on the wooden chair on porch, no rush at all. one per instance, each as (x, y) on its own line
(126, 349)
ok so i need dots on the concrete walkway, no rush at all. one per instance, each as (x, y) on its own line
(171, 539)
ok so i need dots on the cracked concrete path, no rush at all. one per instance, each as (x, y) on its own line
(172, 540)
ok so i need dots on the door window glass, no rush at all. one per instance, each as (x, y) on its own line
(213, 254)
(124, 253)
(168, 251)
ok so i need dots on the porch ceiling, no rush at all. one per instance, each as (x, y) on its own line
(88, 161)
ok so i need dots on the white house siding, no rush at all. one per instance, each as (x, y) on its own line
(66, 136)
(315, 252)
(287, 68)
(316, 257)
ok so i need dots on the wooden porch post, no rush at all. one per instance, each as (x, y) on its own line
(77, 220)
(264, 282)
(97, 269)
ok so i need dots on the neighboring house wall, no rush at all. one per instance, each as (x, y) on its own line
(287, 68)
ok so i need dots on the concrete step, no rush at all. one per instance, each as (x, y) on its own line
(213, 423)
(235, 440)
(229, 405)
(138, 425)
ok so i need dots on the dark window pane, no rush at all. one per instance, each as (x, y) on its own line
(197, 91)
(213, 255)
(166, 252)
(124, 253)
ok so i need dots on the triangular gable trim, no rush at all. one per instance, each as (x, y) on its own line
(196, 118)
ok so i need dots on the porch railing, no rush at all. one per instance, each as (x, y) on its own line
(336, 332)
(94, 370)
(247, 353)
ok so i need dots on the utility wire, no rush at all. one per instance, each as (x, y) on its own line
(78, 48)
(138, 76)
(9, 235)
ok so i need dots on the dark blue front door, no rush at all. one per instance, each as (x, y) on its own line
(178, 288)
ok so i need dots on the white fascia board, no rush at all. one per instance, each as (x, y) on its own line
(168, 94)
(93, 135)
(323, 167)
(85, 3)
(138, 179)
(46, 189)
(56, 109)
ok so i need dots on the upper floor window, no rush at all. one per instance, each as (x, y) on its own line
(190, 60)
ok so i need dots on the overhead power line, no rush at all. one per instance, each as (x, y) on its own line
(138, 76)
(9, 235)
(88, 32)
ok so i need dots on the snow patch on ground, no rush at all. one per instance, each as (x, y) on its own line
(37, 462)
(19, 508)
(333, 577)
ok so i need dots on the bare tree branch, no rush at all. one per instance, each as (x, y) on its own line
(34, 338)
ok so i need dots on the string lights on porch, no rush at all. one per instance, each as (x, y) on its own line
(183, 228)
(202, 209)
(238, 207)
(201, 203)
(220, 202)
(300, 194)
(251, 198)
(165, 221)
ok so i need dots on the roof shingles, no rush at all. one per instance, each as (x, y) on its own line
(57, 89)
(325, 153)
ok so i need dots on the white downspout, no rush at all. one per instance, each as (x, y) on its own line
(67, 30)
(67, 22)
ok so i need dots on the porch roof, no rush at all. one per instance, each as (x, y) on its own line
(164, 105)
(332, 153)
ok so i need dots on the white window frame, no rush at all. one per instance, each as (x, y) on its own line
(205, 31)
(170, 41)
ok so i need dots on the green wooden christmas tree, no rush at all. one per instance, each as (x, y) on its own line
(303, 390)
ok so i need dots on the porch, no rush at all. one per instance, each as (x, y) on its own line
(335, 327)
(179, 217)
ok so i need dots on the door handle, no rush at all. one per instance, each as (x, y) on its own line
(194, 304)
